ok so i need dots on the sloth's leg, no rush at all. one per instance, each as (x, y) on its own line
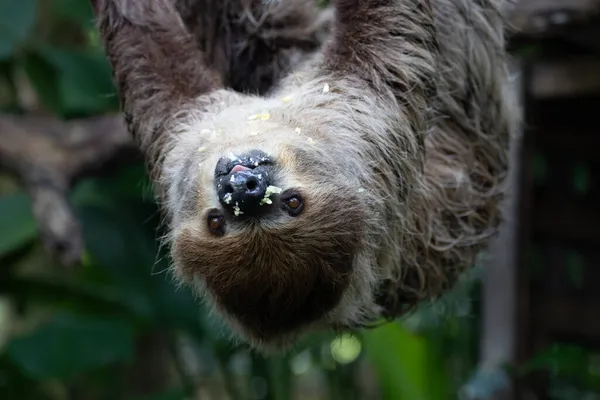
(157, 67)
(254, 43)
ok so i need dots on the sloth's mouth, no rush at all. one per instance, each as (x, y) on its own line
(233, 163)
(239, 168)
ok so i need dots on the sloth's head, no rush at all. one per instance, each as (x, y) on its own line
(272, 228)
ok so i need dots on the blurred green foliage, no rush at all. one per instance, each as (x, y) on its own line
(119, 328)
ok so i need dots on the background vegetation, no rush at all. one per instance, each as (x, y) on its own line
(117, 328)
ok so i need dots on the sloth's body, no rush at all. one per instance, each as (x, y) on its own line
(386, 150)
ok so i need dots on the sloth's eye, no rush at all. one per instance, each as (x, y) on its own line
(216, 224)
(292, 203)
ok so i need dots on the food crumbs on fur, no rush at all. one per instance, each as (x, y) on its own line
(265, 116)
(361, 190)
(270, 190)
(310, 140)
(273, 189)
(236, 209)
(326, 88)
(286, 99)
(227, 198)
(219, 131)
(253, 117)
(298, 130)
(232, 179)
(201, 149)
(232, 157)
(205, 131)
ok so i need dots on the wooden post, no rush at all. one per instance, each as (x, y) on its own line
(500, 280)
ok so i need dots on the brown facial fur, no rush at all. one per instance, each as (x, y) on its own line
(280, 278)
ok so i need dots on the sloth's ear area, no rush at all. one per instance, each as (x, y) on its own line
(157, 67)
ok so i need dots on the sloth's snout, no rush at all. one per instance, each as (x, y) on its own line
(242, 183)
(244, 191)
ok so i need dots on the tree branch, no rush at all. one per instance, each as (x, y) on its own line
(49, 155)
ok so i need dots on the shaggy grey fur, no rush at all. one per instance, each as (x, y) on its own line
(396, 129)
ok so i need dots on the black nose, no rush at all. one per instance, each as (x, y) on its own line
(242, 182)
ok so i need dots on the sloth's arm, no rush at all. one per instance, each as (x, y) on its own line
(385, 42)
(390, 46)
(380, 65)
(157, 68)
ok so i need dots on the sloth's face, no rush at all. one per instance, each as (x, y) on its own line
(274, 232)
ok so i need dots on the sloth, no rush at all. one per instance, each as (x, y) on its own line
(319, 169)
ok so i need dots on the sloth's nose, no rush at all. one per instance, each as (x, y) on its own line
(242, 182)
(244, 191)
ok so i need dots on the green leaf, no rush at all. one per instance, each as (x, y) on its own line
(112, 241)
(177, 306)
(9, 101)
(404, 364)
(121, 239)
(129, 183)
(84, 297)
(18, 226)
(270, 378)
(84, 80)
(568, 362)
(17, 18)
(75, 10)
(15, 385)
(44, 79)
(71, 344)
(558, 358)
